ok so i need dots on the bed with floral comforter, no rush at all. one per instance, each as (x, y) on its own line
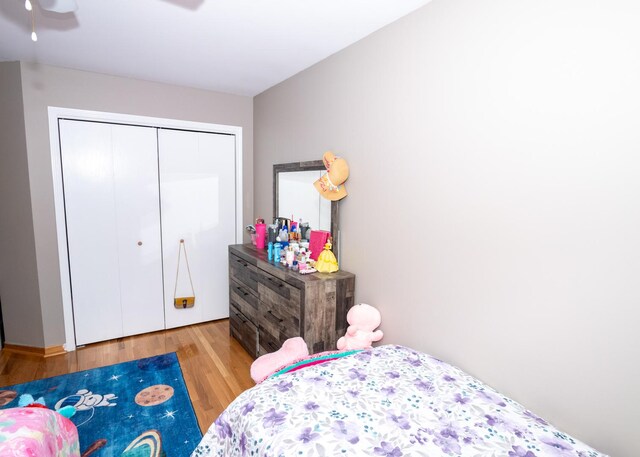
(388, 401)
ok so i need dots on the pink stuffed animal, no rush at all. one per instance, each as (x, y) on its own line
(292, 350)
(360, 334)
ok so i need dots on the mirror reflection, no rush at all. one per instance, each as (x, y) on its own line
(295, 195)
(299, 200)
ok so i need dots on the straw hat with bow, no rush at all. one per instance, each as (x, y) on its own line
(331, 184)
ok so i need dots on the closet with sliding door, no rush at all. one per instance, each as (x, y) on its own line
(149, 214)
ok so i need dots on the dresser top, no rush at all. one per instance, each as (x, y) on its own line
(259, 258)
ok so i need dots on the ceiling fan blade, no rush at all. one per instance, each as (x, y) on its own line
(59, 6)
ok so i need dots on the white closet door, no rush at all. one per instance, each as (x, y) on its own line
(197, 189)
(92, 232)
(111, 202)
(135, 164)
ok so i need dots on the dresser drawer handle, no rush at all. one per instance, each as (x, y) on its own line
(239, 316)
(242, 291)
(244, 264)
(278, 283)
(276, 317)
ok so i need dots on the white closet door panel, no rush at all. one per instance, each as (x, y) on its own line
(92, 231)
(197, 189)
(135, 163)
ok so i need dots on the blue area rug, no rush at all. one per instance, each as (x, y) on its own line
(132, 409)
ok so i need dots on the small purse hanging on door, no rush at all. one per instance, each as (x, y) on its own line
(183, 302)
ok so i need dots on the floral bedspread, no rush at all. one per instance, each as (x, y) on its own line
(38, 432)
(388, 401)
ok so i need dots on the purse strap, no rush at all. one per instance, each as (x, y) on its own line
(186, 259)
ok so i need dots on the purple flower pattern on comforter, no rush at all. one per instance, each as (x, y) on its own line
(388, 401)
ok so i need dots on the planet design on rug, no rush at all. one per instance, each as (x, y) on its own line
(154, 395)
(7, 396)
(95, 446)
(149, 444)
(110, 422)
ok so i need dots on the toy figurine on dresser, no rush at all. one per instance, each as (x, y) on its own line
(327, 262)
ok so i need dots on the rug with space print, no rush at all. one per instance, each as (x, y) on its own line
(132, 409)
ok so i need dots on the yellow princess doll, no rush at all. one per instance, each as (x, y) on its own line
(327, 262)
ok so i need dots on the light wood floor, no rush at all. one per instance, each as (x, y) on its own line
(215, 366)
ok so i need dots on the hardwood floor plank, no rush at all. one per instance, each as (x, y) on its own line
(214, 365)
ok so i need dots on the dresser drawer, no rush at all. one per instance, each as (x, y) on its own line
(244, 299)
(243, 330)
(244, 273)
(278, 296)
(269, 304)
(268, 341)
(280, 325)
(280, 309)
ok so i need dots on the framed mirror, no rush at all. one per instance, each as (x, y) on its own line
(294, 195)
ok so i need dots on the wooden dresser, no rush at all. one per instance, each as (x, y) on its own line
(269, 303)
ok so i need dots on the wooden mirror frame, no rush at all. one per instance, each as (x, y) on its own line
(307, 166)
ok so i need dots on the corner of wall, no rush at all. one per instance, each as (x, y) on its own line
(18, 267)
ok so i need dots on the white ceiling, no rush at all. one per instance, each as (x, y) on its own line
(236, 46)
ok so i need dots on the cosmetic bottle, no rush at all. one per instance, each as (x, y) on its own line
(261, 232)
(277, 247)
(290, 256)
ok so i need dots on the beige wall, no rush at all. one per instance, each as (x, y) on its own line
(45, 86)
(493, 201)
(18, 269)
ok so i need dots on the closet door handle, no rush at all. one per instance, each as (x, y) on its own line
(139, 243)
